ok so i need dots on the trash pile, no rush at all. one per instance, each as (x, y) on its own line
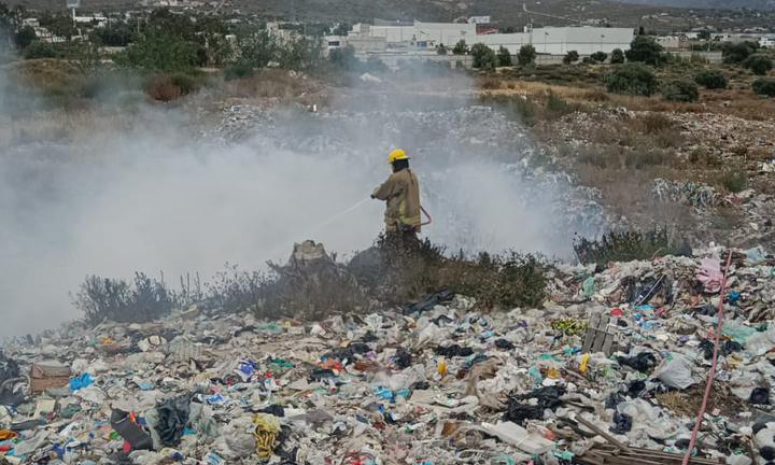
(612, 369)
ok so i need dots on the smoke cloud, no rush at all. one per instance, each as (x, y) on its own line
(163, 190)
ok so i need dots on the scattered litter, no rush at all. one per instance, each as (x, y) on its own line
(442, 381)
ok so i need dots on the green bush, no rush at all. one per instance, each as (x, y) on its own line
(557, 107)
(734, 181)
(626, 245)
(617, 56)
(504, 57)
(759, 64)
(40, 50)
(646, 50)
(527, 55)
(238, 71)
(483, 57)
(681, 91)
(441, 50)
(739, 52)
(711, 79)
(160, 51)
(764, 87)
(599, 57)
(632, 79)
(460, 48)
(571, 57)
(24, 37)
(146, 299)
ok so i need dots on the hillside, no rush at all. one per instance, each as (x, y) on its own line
(763, 5)
(657, 15)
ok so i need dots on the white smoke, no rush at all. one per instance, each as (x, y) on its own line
(161, 195)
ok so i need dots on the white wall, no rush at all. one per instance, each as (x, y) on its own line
(561, 40)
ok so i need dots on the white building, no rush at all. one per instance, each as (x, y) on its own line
(669, 42)
(768, 42)
(561, 40)
(421, 35)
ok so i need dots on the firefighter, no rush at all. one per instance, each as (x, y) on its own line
(401, 192)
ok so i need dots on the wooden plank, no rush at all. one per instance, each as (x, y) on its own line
(602, 433)
(589, 338)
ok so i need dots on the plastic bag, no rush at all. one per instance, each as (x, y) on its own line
(675, 372)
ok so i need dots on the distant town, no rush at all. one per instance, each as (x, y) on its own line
(386, 40)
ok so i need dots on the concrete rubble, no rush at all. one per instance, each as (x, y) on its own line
(439, 382)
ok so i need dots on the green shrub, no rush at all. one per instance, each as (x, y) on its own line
(734, 181)
(758, 64)
(160, 51)
(626, 245)
(571, 57)
(632, 79)
(681, 91)
(527, 55)
(40, 50)
(646, 50)
(146, 299)
(460, 48)
(557, 107)
(617, 56)
(764, 87)
(483, 57)
(599, 57)
(504, 57)
(238, 71)
(711, 79)
(739, 52)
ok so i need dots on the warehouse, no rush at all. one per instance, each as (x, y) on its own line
(561, 40)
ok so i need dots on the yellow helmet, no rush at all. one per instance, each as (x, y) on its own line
(396, 155)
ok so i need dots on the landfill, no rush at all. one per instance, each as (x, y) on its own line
(439, 381)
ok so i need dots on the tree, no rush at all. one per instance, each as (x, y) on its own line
(711, 79)
(504, 57)
(441, 50)
(211, 37)
(342, 29)
(599, 57)
(704, 34)
(40, 50)
(759, 64)
(114, 35)
(460, 48)
(739, 52)
(484, 57)
(24, 37)
(764, 87)
(527, 55)
(681, 91)
(617, 56)
(641, 31)
(632, 79)
(302, 53)
(571, 57)
(159, 51)
(344, 58)
(60, 25)
(646, 50)
(258, 50)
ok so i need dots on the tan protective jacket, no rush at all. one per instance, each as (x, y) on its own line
(402, 193)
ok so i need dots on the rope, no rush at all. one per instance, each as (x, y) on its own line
(712, 373)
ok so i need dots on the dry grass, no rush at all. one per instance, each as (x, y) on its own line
(687, 403)
(275, 84)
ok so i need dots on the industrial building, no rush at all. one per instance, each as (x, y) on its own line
(561, 40)
(420, 36)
